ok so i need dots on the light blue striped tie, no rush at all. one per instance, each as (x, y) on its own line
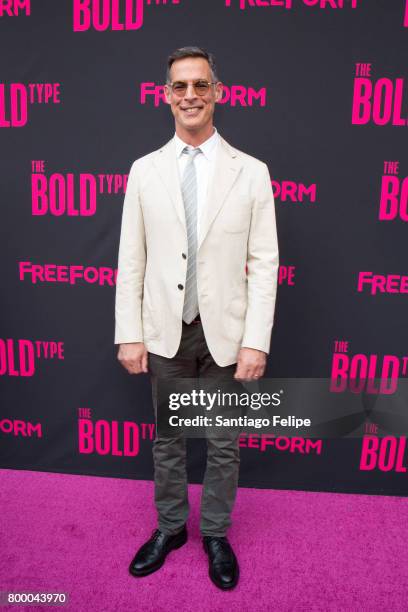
(189, 193)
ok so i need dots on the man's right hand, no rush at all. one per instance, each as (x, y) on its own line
(133, 357)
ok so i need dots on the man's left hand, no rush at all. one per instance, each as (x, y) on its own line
(250, 365)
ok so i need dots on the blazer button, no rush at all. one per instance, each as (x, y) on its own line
(180, 286)
(184, 256)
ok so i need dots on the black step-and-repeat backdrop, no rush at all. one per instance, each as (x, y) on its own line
(315, 88)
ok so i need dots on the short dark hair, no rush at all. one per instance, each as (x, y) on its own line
(191, 52)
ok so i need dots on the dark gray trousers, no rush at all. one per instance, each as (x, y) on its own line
(193, 360)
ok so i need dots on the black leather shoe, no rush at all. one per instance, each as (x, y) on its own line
(152, 554)
(223, 564)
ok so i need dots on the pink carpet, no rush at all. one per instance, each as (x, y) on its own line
(297, 550)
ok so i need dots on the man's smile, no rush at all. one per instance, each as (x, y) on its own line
(191, 110)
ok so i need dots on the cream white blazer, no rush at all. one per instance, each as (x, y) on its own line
(237, 258)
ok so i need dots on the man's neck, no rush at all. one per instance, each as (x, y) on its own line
(195, 138)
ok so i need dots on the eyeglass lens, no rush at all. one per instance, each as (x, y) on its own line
(200, 87)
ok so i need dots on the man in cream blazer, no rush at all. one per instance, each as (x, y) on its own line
(233, 261)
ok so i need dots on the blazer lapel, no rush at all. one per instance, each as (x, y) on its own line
(227, 167)
(166, 165)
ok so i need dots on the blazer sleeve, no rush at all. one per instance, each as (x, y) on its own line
(131, 266)
(262, 266)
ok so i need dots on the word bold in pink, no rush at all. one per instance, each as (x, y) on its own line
(56, 195)
(108, 437)
(385, 454)
(17, 358)
(394, 198)
(379, 101)
(13, 105)
(104, 15)
(358, 373)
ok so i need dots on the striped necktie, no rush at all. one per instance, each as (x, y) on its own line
(189, 193)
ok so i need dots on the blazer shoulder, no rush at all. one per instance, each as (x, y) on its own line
(247, 159)
(143, 163)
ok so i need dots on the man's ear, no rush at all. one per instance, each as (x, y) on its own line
(167, 93)
(218, 91)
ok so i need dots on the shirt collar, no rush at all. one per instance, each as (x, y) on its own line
(207, 147)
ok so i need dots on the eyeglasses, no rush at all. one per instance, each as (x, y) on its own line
(201, 87)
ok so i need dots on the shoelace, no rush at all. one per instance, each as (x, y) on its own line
(155, 535)
(220, 545)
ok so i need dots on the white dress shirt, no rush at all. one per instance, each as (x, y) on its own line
(204, 163)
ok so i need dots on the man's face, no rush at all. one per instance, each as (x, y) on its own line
(192, 69)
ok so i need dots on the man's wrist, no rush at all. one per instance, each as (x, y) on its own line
(254, 349)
